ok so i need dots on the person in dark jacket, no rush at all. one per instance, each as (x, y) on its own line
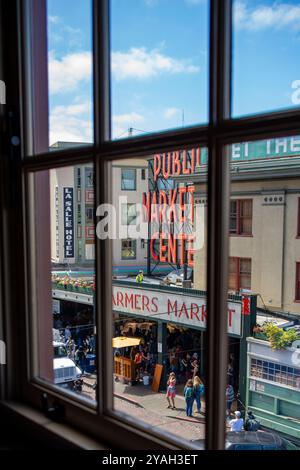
(251, 423)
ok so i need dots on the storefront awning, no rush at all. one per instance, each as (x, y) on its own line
(124, 342)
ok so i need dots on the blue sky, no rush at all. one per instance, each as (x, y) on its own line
(160, 63)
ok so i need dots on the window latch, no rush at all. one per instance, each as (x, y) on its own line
(56, 411)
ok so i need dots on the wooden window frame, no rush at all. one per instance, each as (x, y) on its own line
(23, 30)
(238, 216)
(237, 272)
(135, 177)
(297, 282)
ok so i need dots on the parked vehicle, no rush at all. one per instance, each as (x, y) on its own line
(249, 440)
(258, 440)
(66, 372)
(176, 276)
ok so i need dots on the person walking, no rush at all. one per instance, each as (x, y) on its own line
(237, 424)
(229, 399)
(80, 358)
(171, 390)
(189, 397)
(194, 365)
(198, 391)
(251, 423)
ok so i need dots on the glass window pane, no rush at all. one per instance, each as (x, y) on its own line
(265, 44)
(64, 281)
(128, 179)
(69, 25)
(159, 292)
(266, 188)
(159, 65)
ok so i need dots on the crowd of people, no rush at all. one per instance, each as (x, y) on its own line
(182, 357)
(193, 392)
(78, 344)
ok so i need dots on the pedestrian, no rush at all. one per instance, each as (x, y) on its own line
(230, 372)
(80, 358)
(140, 276)
(194, 366)
(173, 360)
(171, 390)
(237, 424)
(251, 423)
(189, 365)
(67, 333)
(138, 358)
(93, 343)
(71, 348)
(229, 398)
(189, 397)
(198, 391)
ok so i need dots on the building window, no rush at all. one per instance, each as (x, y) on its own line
(128, 249)
(143, 174)
(239, 274)
(241, 217)
(89, 215)
(78, 177)
(89, 251)
(89, 178)
(79, 213)
(297, 295)
(128, 214)
(128, 179)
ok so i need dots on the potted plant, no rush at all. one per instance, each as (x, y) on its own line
(279, 338)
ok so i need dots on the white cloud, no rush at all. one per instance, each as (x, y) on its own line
(123, 122)
(73, 109)
(171, 112)
(53, 19)
(278, 16)
(140, 63)
(67, 73)
(68, 124)
(129, 118)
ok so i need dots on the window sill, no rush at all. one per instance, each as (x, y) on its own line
(53, 434)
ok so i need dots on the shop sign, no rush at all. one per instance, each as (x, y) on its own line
(184, 309)
(68, 223)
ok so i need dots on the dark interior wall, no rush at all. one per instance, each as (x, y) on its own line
(18, 433)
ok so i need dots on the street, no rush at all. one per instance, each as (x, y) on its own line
(149, 407)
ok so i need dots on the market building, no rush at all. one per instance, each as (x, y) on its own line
(264, 261)
(264, 223)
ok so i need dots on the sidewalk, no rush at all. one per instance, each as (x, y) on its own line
(140, 403)
(151, 407)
